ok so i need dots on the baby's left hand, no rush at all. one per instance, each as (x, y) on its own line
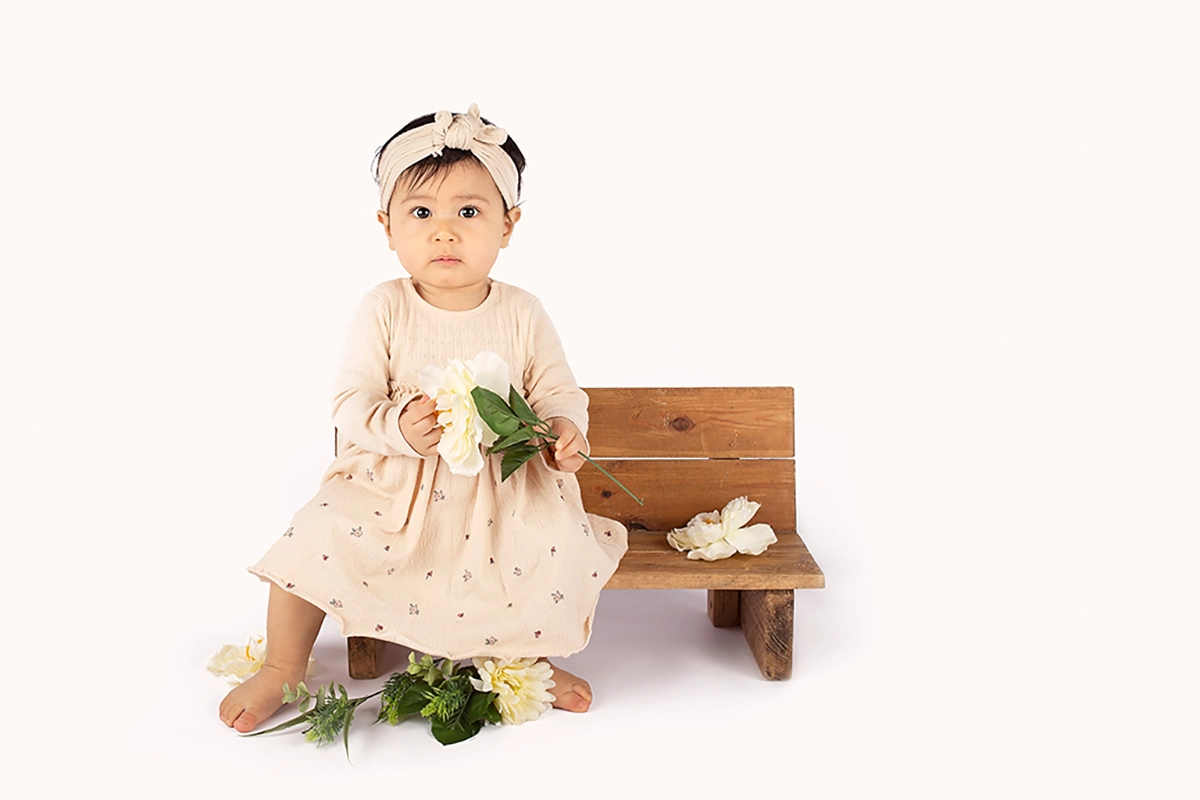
(565, 450)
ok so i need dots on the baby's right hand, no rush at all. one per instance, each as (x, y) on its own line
(419, 426)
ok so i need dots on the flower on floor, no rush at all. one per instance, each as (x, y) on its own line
(712, 535)
(439, 691)
(463, 429)
(236, 664)
(521, 686)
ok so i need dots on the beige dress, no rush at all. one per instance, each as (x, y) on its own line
(396, 547)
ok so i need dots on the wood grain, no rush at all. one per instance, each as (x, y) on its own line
(767, 622)
(724, 608)
(651, 563)
(364, 655)
(677, 490)
(718, 422)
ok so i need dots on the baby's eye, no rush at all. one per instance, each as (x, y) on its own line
(421, 212)
(468, 211)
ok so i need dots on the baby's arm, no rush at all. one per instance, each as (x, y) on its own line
(552, 392)
(362, 410)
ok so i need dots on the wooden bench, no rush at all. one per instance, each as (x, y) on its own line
(685, 451)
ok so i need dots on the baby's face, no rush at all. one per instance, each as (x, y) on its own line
(448, 232)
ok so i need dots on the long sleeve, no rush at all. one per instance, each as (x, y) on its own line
(550, 385)
(363, 411)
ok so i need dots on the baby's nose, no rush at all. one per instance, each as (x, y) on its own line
(444, 232)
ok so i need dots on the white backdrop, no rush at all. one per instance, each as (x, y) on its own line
(966, 233)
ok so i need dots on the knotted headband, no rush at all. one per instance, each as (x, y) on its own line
(459, 131)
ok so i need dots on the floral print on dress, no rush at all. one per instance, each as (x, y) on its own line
(553, 550)
(438, 495)
(289, 532)
(413, 610)
(557, 596)
(517, 571)
(356, 532)
(489, 641)
(335, 603)
(370, 475)
(466, 575)
(537, 634)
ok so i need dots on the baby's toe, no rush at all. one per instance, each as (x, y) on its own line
(575, 701)
(245, 721)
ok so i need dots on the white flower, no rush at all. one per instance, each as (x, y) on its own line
(236, 664)
(711, 536)
(521, 686)
(463, 430)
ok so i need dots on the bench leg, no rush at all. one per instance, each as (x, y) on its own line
(364, 655)
(767, 622)
(723, 608)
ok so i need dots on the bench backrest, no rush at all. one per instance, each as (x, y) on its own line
(688, 450)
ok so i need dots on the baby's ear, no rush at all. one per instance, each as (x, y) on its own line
(511, 218)
(387, 230)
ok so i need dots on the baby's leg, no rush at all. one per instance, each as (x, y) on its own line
(292, 627)
(571, 692)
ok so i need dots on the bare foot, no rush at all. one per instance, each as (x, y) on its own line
(571, 692)
(258, 698)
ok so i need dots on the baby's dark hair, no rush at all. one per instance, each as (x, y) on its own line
(431, 167)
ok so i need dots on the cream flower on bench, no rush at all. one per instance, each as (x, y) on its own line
(711, 535)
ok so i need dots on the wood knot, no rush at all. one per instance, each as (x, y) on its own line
(634, 525)
(605, 493)
(682, 424)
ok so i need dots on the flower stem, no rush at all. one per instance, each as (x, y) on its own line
(611, 478)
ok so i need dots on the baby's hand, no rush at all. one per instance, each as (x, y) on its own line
(566, 449)
(419, 426)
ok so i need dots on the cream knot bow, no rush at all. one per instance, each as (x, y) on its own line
(461, 131)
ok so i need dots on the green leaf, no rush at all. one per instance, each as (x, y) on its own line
(477, 709)
(498, 416)
(346, 729)
(453, 732)
(493, 713)
(522, 434)
(305, 703)
(412, 700)
(514, 458)
(521, 408)
(289, 724)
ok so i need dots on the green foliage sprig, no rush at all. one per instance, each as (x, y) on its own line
(522, 433)
(441, 692)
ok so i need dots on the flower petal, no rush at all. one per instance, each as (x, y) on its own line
(702, 534)
(490, 371)
(430, 379)
(737, 513)
(717, 550)
(752, 540)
